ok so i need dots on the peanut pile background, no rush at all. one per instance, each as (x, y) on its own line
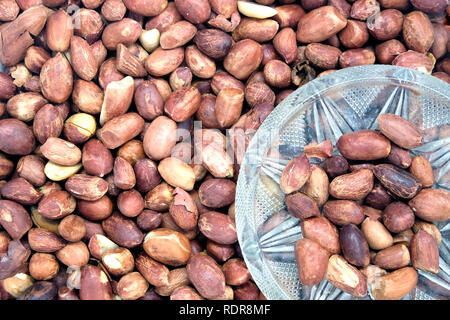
(109, 189)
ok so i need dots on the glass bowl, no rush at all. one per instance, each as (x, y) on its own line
(343, 101)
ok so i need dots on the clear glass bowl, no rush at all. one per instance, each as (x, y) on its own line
(343, 101)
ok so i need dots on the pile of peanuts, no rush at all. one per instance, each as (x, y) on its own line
(375, 226)
(103, 192)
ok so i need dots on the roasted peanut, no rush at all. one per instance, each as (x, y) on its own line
(346, 277)
(320, 24)
(397, 181)
(312, 261)
(352, 186)
(322, 231)
(431, 205)
(167, 246)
